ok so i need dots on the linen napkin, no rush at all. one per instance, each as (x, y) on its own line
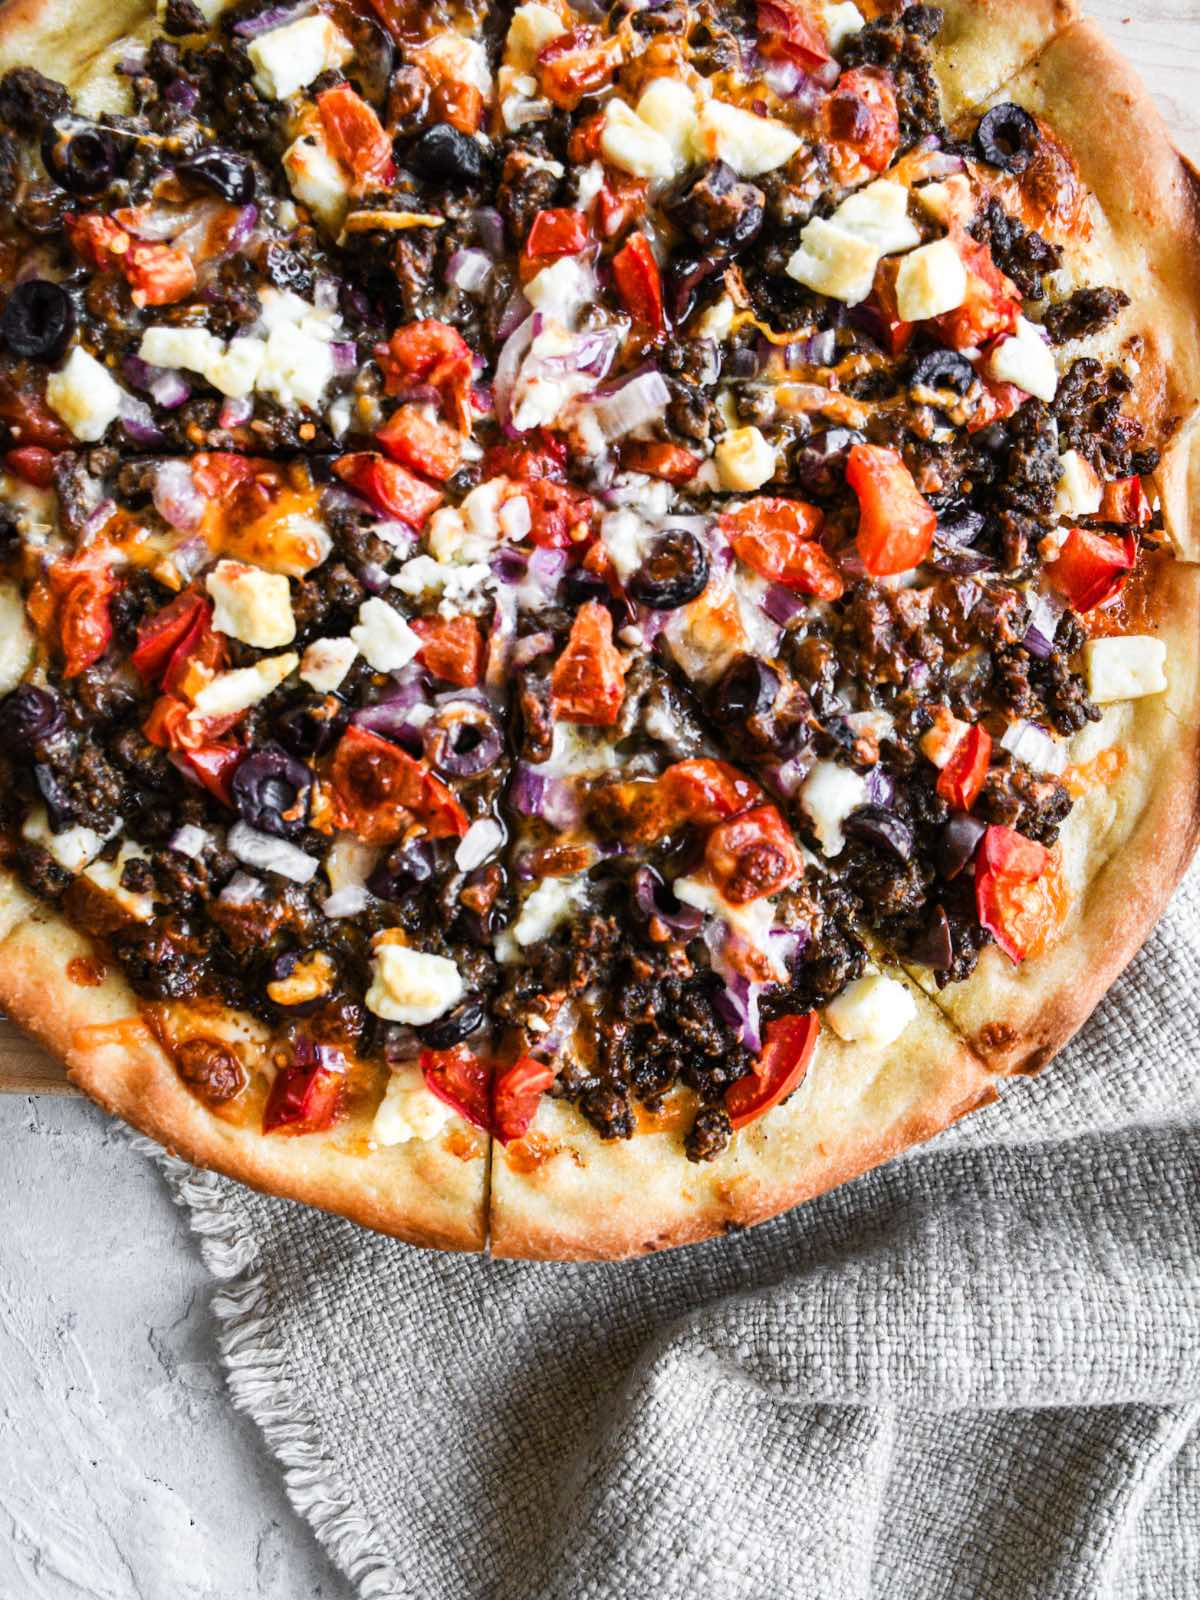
(973, 1373)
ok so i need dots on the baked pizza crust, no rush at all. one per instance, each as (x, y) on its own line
(984, 42)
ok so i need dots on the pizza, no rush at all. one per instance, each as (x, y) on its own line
(599, 610)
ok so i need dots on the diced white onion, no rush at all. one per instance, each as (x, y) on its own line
(1026, 742)
(478, 843)
(265, 851)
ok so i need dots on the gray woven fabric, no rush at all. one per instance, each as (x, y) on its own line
(974, 1373)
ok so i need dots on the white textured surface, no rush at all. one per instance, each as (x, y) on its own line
(125, 1474)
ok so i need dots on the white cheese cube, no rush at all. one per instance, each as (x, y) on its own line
(842, 22)
(1079, 488)
(748, 143)
(669, 107)
(947, 201)
(251, 605)
(411, 985)
(106, 876)
(230, 693)
(834, 262)
(1125, 668)
(550, 905)
(829, 794)
(193, 348)
(72, 849)
(317, 180)
(296, 367)
(409, 1110)
(234, 370)
(879, 213)
(16, 638)
(874, 1009)
(348, 864)
(1025, 359)
(622, 534)
(633, 146)
(452, 55)
(745, 461)
(326, 662)
(286, 60)
(531, 29)
(82, 394)
(382, 636)
(717, 322)
(932, 280)
(481, 839)
(563, 289)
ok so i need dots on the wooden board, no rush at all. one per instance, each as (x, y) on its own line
(1160, 37)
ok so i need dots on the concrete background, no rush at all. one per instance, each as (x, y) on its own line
(125, 1474)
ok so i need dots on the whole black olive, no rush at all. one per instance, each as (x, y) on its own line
(82, 162)
(462, 739)
(685, 274)
(881, 828)
(272, 791)
(1007, 137)
(38, 320)
(229, 175)
(406, 867)
(819, 465)
(746, 689)
(933, 945)
(942, 369)
(466, 1018)
(27, 717)
(674, 571)
(311, 727)
(716, 208)
(444, 154)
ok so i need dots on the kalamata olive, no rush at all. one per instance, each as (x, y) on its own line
(819, 465)
(59, 809)
(467, 1017)
(961, 524)
(933, 946)
(38, 320)
(312, 726)
(231, 176)
(655, 898)
(716, 207)
(685, 274)
(956, 843)
(880, 828)
(444, 154)
(673, 572)
(406, 867)
(942, 369)
(746, 689)
(272, 791)
(580, 585)
(28, 716)
(462, 739)
(82, 160)
(1007, 137)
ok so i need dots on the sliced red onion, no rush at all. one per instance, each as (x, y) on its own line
(654, 898)
(239, 233)
(345, 357)
(787, 944)
(401, 723)
(1044, 616)
(187, 558)
(882, 829)
(137, 419)
(508, 365)
(96, 520)
(166, 386)
(176, 498)
(642, 399)
(270, 854)
(552, 799)
(818, 350)
(468, 270)
(513, 315)
(1026, 742)
(530, 647)
(783, 605)
(880, 789)
(500, 639)
(942, 164)
(181, 94)
(272, 17)
(480, 841)
(738, 1004)
(515, 519)
(489, 229)
(234, 413)
(785, 777)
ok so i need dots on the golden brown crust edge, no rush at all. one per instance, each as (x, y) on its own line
(418, 1192)
(982, 44)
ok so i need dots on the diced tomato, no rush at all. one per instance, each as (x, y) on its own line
(639, 282)
(159, 635)
(417, 441)
(752, 855)
(27, 416)
(559, 516)
(451, 648)
(516, 1095)
(536, 455)
(961, 779)
(199, 654)
(862, 119)
(165, 725)
(1125, 501)
(95, 239)
(554, 234)
(577, 63)
(1092, 568)
(897, 334)
(32, 464)
(999, 401)
(218, 473)
(392, 490)
(992, 304)
(84, 622)
(383, 791)
(356, 136)
(583, 147)
(305, 1095)
(462, 1081)
(788, 1045)
(430, 353)
(895, 521)
(705, 791)
(671, 462)
(459, 104)
(213, 766)
(1013, 899)
(158, 274)
(786, 28)
(619, 202)
(777, 539)
(587, 684)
